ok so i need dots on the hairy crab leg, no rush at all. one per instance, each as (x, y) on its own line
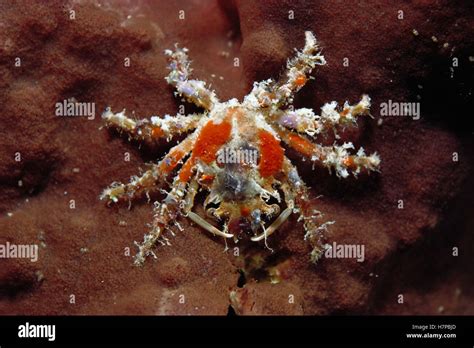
(298, 69)
(151, 130)
(152, 178)
(296, 191)
(164, 214)
(150, 239)
(305, 121)
(335, 157)
(167, 212)
(194, 91)
(176, 155)
(149, 181)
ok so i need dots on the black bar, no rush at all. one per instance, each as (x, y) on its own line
(350, 330)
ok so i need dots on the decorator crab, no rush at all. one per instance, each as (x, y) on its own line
(234, 150)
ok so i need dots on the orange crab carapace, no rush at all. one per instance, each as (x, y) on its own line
(235, 151)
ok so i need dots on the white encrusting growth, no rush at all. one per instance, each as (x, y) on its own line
(119, 120)
(156, 128)
(194, 91)
(306, 121)
(270, 93)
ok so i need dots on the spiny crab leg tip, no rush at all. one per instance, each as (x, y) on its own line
(310, 38)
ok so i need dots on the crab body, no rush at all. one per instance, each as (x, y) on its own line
(235, 151)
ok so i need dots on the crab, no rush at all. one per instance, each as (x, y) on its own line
(235, 151)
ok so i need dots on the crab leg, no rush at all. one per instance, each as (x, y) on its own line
(194, 91)
(298, 69)
(150, 239)
(332, 157)
(165, 213)
(152, 178)
(149, 181)
(190, 195)
(305, 121)
(151, 130)
(296, 193)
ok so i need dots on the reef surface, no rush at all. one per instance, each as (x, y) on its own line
(83, 265)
